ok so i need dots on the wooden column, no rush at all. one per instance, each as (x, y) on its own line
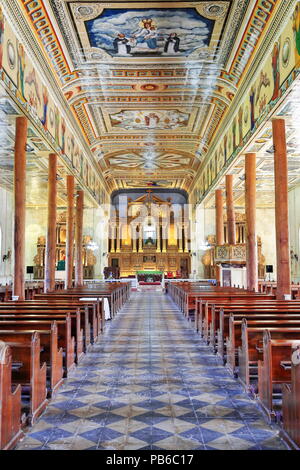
(78, 239)
(230, 210)
(219, 228)
(51, 228)
(70, 232)
(20, 206)
(281, 209)
(250, 209)
(219, 217)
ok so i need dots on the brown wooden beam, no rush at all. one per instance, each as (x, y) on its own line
(230, 210)
(219, 217)
(281, 209)
(70, 232)
(250, 209)
(78, 239)
(51, 229)
(20, 206)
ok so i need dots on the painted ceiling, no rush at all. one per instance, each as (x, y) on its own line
(149, 82)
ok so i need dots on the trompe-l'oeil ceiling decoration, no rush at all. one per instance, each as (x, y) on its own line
(150, 75)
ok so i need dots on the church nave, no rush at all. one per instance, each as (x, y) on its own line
(151, 383)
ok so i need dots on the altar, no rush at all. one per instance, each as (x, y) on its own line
(149, 277)
(152, 235)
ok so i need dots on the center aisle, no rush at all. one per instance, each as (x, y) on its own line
(151, 384)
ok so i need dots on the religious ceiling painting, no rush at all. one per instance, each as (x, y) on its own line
(277, 75)
(151, 87)
(153, 119)
(32, 94)
(140, 31)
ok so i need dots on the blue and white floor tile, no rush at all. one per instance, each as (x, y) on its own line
(149, 383)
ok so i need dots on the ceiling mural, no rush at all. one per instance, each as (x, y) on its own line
(145, 120)
(139, 31)
(163, 32)
(150, 85)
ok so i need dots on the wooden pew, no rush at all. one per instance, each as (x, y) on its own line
(28, 372)
(272, 372)
(234, 340)
(65, 339)
(207, 318)
(250, 352)
(10, 402)
(291, 402)
(88, 311)
(75, 298)
(80, 327)
(186, 296)
(219, 339)
(51, 354)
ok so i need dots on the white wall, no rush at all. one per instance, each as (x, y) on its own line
(6, 224)
(202, 226)
(265, 223)
(294, 224)
(36, 226)
(95, 224)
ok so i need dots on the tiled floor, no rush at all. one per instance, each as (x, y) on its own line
(151, 384)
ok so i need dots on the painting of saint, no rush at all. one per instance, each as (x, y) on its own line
(252, 105)
(172, 44)
(21, 69)
(234, 133)
(121, 45)
(44, 119)
(151, 120)
(156, 119)
(162, 31)
(296, 29)
(240, 120)
(276, 71)
(63, 134)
